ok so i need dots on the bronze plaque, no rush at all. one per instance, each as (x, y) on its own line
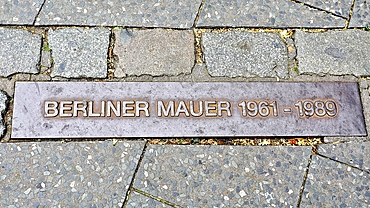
(174, 109)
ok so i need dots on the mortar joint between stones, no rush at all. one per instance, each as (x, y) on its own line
(198, 13)
(350, 14)
(110, 55)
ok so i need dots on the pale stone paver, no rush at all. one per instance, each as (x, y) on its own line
(19, 51)
(333, 52)
(264, 13)
(354, 153)
(148, 13)
(19, 12)
(75, 174)
(245, 54)
(223, 176)
(338, 7)
(361, 14)
(336, 185)
(153, 52)
(79, 52)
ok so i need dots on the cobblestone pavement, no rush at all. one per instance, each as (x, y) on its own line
(183, 41)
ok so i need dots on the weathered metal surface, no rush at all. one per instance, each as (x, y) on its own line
(169, 109)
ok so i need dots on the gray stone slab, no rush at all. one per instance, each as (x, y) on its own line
(153, 52)
(150, 13)
(224, 176)
(331, 184)
(3, 105)
(247, 54)
(361, 14)
(19, 51)
(54, 174)
(355, 154)
(40, 113)
(334, 52)
(19, 12)
(265, 13)
(79, 52)
(139, 200)
(338, 7)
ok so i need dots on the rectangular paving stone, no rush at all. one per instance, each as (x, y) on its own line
(336, 185)
(178, 109)
(19, 51)
(333, 52)
(79, 52)
(148, 13)
(338, 7)
(19, 12)
(54, 174)
(361, 14)
(246, 54)
(264, 13)
(223, 176)
(355, 154)
(153, 52)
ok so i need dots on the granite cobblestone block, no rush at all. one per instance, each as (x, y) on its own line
(223, 176)
(79, 52)
(19, 51)
(264, 13)
(336, 185)
(246, 54)
(19, 12)
(76, 174)
(333, 52)
(145, 13)
(153, 52)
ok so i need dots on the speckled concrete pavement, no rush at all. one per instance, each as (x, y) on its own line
(187, 41)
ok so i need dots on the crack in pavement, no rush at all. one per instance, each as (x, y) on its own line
(343, 163)
(131, 188)
(156, 198)
(38, 13)
(316, 8)
(305, 178)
